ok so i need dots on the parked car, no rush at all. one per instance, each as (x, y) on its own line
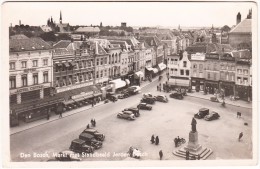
(212, 116)
(147, 95)
(67, 155)
(161, 98)
(134, 89)
(90, 140)
(148, 100)
(144, 106)
(112, 97)
(134, 152)
(202, 113)
(126, 115)
(176, 95)
(123, 95)
(80, 146)
(98, 136)
(133, 110)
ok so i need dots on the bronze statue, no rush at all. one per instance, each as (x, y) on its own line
(193, 125)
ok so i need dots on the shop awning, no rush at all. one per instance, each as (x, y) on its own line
(118, 83)
(139, 74)
(149, 68)
(161, 66)
(66, 64)
(179, 82)
(155, 70)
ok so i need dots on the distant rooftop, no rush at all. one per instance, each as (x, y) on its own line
(244, 26)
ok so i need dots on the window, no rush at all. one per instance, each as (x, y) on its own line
(195, 66)
(187, 72)
(222, 67)
(35, 78)
(45, 62)
(105, 74)
(12, 82)
(227, 76)
(215, 66)
(209, 66)
(24, 80)
(171, 71)
(70, 79)
(45, 77)
(97, 62)
(245, 72)
(215, 76)
(172, 61)
(105, 60)
(239, 80)
(101, 61)
(208, 75)
(24, 64)
(194, 73)
(222, 75)
(201, 75)
(12, 65)
(57, 83)
(245, 81)
(35, 63)
(182, 72)
(101, 73)
(184, 63)
(227, 67)
(232, 77)
(200, 66)
(64, 81)
(233, 68)
(97, 74)
(239, 71)
(80, 77)
(80, 64)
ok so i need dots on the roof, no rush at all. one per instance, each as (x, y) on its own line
(243, 54)
(62, 44)
(29, 44)
(243, 27)
(88, 29)
(19, 36)
(151, 39)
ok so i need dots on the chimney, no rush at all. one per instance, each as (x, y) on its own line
(96, 49)
(238, 18)
(19, 22)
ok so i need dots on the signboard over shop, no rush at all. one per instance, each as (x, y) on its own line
(82, 95)
(30, 88)
(198, 56)
(75, 86)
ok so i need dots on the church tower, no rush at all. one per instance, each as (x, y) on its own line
(238, 18)
(60, 18)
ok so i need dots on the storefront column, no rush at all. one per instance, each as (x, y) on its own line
(19, 98)
(41, 93)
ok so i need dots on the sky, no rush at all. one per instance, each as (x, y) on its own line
(167, 14)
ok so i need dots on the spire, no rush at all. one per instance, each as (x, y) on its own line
(60, 17)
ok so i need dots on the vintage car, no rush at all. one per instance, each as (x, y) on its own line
(67, 155)
(134, 89)
(79, 146)
(98, 136)
(126, 115)
(161, 98)
(176, 95)
(123, 95)
(145, 95)
(212, 116)
(133, 110)
(148, 100)
(202, 113)
(144, 106)
(134, 152)
(112, 97)
(90, 140)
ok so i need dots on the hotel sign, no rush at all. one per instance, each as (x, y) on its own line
(198, 56)
(27, 89)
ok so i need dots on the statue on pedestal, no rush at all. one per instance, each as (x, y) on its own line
(193, 125)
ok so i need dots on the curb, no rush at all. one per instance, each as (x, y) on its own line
(226, 103)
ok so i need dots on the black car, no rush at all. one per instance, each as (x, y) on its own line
(202, 113)
(148, 100)
(123, 95)
(176, 95)
(161, 98)
(112, 97)
(95, 133)
(80, 146)
(90, 140)
(144, 106)
(134, 110)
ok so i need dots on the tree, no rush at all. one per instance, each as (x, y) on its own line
(48, 36)
(101, 25)
(63, 36)
(225, 28)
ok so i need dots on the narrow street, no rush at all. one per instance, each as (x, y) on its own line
(167, 120)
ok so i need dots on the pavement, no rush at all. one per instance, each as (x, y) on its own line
(53, 117)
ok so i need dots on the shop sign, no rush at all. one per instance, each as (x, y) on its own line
(75, 86)
(27, 89)
(29, 70)
(82, 94)
(212, 56)
(198, 56)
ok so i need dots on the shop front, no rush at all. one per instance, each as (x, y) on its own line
(227, 87)
(243, 92)
(117, 84)
(197, 84)
(161, 67)
(139, 76)
(179, 82)
(211, 86)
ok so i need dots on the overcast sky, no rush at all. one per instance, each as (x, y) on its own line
(134, 13)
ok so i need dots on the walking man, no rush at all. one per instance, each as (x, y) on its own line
(60, 116)
(94, 123)
(152, 139)
(161, 154)
(156, 140)
(240, 136)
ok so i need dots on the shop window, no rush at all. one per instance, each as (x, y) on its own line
(13, 99)
(12, 82)
(35, 63)
(182, 72)
(45, 77)
(35, 78)
(12, 65)
(45, 62)
(24, 80)
(24, 64)
(47, 92)
(187, 72)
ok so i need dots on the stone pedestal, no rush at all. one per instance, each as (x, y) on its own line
(193, 144)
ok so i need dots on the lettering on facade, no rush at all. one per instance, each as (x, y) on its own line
(198, 56)
(29, 70)
(212, 57)
(82, 94)
(27, 89)
(74, 87)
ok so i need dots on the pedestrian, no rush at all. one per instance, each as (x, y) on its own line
(91, 121)
(152, 139)
(156, 140)
(92, 102)
(94, 123)
(157, 88)
(60, 116)
(240, 136)
(161, 154)
(48, 114)
(88, 126)
(175, 142)
(187, 155)
(198, 157)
